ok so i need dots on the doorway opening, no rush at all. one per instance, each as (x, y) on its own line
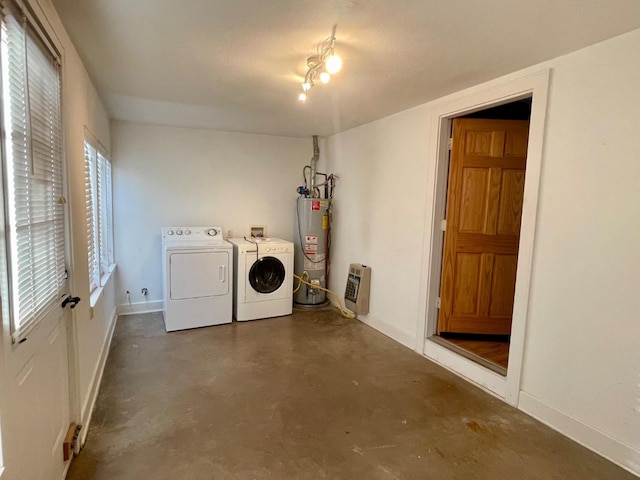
(481, 232)
(534, 85)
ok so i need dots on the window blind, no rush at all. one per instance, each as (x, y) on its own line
(91, 214)
(102, 230)
(109, 214)
(33, 173)
(98, 197)
(105, 214)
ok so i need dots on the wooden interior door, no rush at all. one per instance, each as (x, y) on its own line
(484, 210)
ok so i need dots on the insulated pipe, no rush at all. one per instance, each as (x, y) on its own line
(314, 166)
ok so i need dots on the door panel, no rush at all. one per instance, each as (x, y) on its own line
(467, 275)
(474, 193)
(515, 144)
(484, 211)
(503, 286)
(510, 215)
(37, 402)
(493, 197)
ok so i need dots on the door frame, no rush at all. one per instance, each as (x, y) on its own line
(532, 83)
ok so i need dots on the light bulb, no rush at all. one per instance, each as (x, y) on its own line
(333, 64)
(325, 77)
(302, 97)
(306, 86)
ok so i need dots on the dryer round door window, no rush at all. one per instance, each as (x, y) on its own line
(266, 275)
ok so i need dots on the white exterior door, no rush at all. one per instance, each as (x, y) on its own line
(34, 380)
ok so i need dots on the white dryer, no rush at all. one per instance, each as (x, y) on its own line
(197, 277)
(263, 272)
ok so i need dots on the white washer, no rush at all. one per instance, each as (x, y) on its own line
(197, 277)
(263, 269)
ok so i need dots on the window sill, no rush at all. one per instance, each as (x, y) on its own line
(97, 293)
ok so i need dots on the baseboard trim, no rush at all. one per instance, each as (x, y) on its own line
(141, 307)
(89, 404)
(406, 339)
(589, 437)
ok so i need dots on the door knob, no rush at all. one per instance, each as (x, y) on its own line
(70, 300)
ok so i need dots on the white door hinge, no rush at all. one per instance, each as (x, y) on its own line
(438, 302)
(443, 225)
(450, 144)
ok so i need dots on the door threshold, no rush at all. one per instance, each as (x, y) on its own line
(499, 369)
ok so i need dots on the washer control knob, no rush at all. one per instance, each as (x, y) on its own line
(178, 232)
(268, 249)
(170, 232)
(212, 232)
(187, 232)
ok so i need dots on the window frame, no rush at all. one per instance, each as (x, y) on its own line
(99, 209)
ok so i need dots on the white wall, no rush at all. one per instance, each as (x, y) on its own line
(582, 354)
(581, 365)
(168, 176)
(379, 212)
(83, 109)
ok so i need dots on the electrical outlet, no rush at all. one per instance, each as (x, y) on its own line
(144, 291)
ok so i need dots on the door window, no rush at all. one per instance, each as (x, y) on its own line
(32, 174)
(266, 275)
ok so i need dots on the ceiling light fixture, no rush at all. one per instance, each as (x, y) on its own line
(322, 65)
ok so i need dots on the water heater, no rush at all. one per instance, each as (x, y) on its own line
(312, 232)
(311, 254)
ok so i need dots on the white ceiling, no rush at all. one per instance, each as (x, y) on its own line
(237, 65)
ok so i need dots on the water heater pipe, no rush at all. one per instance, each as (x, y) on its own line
(314, 167)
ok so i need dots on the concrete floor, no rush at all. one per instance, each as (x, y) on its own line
(308, 396)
